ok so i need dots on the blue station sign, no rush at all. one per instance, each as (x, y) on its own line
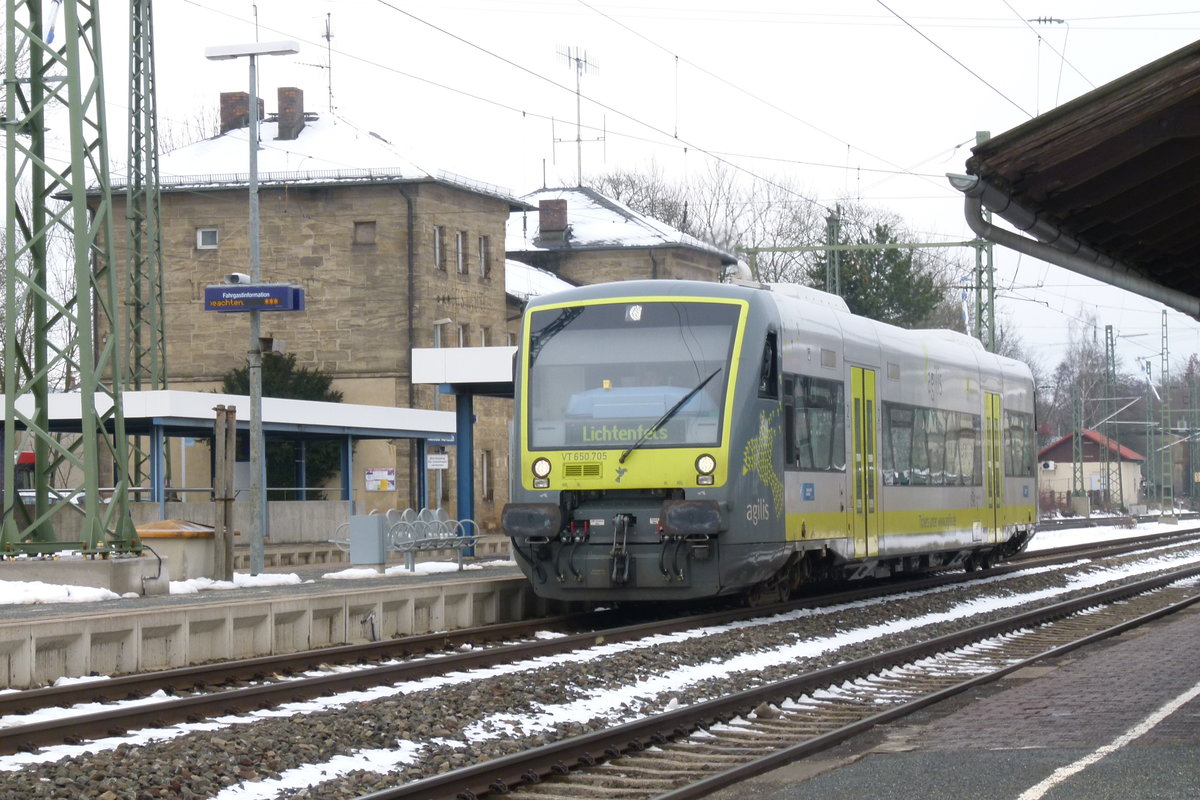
(227, 298)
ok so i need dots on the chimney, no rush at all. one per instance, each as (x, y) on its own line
(235, 110)
(552, 220)
(291, 112)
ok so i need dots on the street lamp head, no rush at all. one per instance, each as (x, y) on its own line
(227, 51)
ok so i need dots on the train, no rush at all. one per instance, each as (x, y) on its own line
(683, 440)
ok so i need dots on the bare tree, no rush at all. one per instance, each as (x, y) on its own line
(199, 123)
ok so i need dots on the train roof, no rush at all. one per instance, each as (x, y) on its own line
(783, 296)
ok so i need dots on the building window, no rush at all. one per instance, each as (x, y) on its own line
(462, 335)
(206, 238)
(511, 339)
(485, 269)
(484, 335)
(439, 247)
(460, 246)
(364, 232)
(486, 489)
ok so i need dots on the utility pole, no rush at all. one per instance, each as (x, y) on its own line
(77, 339)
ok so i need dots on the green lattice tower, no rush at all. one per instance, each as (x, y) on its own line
(833, 257)
(1151, 445)
(55, 72)
(1112, 457)
(1166, 484)
(985, 280)
(146, 359)
(1194, 436)
(1077, 442)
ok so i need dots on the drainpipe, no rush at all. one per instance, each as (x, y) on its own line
(1054, 246)
(413, 463)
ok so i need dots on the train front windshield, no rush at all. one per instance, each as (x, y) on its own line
(601, 376)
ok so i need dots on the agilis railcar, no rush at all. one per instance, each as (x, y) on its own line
(677, 440)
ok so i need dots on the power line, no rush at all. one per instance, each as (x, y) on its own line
(955, 60)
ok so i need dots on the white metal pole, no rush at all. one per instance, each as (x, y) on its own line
(258, 492)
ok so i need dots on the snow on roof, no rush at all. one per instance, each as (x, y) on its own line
(324, 145)
(523, 281)
(327, 150)
(596, 222)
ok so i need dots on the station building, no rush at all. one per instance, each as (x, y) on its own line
(390, 258)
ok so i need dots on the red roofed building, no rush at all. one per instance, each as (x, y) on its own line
(1056, 472)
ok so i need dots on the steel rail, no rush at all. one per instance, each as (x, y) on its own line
(274, 690)
(531, 766)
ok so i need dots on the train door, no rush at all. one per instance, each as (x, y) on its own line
(993, 465)
(865, 475)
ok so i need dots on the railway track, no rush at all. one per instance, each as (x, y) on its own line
(243, 686)
(691, 752)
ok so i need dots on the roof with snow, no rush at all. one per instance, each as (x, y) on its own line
(596, 222)
(523, 281)
(328, 150)
(1100, 439)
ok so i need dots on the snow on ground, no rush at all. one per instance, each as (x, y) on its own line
(615, 704)
(37, 592)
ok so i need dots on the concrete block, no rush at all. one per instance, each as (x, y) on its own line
(456, 607)
(162, 644)
(328, 625)
(113, 652)
(290, 631)
(56, 655)
(209, 638)
(250, 635)
(16, 668)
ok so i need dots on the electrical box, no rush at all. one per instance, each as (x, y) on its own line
(368, 539)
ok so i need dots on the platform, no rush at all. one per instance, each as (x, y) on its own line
(43, 642)
(1116, 720)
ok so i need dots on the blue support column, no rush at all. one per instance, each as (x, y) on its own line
(348, 473)
(158, 493)
(422, 472)
(465, 447)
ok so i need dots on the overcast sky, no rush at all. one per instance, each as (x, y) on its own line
(874, 102)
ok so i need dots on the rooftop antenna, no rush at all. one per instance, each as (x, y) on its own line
(329, 57)
(577, 58)
(328, 65)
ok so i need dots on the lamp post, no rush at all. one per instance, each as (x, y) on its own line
(258, 490)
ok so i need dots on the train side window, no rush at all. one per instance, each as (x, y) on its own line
(818, 424)
(1018, 439)
(768, 375)
(897, 444)
(789, 421)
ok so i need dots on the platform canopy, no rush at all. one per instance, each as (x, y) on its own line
(1107, 185)
(172, 413)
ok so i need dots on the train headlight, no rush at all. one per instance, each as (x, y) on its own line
(541, 473)
(705, 465)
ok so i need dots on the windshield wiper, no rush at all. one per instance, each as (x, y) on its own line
(667, 416)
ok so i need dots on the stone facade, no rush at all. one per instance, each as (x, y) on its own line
(585, 238)
(369, 299)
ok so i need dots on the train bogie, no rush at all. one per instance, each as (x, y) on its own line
(677, 440)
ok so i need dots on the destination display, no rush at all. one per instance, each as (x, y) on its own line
(227, 298)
